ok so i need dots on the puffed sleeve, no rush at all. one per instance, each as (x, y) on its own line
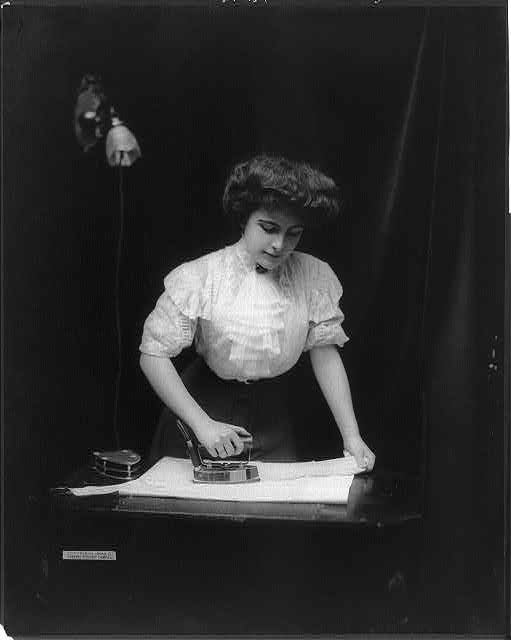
(171, 325)
(325, 316)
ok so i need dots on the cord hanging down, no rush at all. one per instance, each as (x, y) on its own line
(117, 299)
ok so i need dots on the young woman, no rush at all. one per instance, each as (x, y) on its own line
(251, 309)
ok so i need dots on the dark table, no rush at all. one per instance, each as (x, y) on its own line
(380, 498)
(194, 566)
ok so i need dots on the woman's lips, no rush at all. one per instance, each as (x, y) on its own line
(271, 261)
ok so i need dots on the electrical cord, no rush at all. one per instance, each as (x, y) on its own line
(117, 301)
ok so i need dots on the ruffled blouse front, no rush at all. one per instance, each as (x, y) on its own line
(246, 325)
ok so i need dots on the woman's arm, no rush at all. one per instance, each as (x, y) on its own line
(219, 438)
(333, 381)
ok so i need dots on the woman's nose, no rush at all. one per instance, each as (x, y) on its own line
(278, 242)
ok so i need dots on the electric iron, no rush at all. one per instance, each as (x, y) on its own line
(218, 471)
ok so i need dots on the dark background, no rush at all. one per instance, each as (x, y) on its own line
(405, 107)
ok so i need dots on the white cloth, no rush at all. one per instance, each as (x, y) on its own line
(246, 325)
(325, 481)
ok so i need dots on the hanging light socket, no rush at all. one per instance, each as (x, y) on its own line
(121, 146)
(95, 118)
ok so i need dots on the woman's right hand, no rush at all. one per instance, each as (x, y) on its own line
(222, 439)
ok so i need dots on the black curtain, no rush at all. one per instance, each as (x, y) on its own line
(404, 106)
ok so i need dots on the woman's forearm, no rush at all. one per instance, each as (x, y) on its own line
(168, 385)
(219, 438)
(333, 381)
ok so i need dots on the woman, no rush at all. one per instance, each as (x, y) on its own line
(252, 309)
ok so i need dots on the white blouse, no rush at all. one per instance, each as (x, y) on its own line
(246, 325)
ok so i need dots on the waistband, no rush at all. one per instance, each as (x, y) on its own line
(200, 370)
(259, 381)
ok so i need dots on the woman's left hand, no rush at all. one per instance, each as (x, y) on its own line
(356, 447)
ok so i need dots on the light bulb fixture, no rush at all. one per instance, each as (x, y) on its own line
(96, 118)
(121, 146)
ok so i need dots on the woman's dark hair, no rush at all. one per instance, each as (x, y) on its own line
(272, 182)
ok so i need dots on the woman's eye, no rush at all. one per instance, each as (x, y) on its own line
(268, 229)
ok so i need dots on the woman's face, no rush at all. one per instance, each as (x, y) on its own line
(270, 237)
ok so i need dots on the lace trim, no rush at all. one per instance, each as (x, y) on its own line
(157, 339)
(190, 290)
(328, 332)
(253, 322)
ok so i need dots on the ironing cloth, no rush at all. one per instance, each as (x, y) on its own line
(326, 481)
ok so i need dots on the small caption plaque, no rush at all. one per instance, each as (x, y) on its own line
(88, 555)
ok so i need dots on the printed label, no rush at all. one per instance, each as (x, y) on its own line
(89, 555)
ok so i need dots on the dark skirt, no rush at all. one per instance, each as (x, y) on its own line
(265, 408)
